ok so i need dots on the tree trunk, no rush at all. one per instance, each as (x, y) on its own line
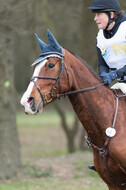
(70, 131)
(89, 32)
(9, 143)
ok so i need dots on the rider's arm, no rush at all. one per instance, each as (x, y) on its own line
(102, 66)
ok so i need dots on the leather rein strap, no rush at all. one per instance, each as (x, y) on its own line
(77, 91)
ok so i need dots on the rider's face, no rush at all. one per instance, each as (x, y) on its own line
(101, 20)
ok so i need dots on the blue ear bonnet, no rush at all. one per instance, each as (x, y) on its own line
(53, 49)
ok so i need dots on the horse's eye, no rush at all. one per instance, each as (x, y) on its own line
(50, 65)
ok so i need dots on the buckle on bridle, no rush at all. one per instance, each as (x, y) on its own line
(46, 97)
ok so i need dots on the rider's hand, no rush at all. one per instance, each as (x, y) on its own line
(108, 77)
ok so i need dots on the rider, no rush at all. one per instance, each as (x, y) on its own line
(111, 42)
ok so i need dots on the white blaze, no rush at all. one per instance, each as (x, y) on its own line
(27, 93)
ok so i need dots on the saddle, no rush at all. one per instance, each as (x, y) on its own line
(120, 86)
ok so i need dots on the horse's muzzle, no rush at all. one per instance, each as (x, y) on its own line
(30, 107)
(34, 108)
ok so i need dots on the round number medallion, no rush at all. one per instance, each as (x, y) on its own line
(110, 132)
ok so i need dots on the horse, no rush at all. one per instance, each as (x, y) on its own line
(102, 112)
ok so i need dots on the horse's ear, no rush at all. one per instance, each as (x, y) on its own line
(52, 40)
(40, 42)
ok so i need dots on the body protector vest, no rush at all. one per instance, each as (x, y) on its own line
(113, 50)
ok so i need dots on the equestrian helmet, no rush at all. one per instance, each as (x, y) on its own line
(105, 6)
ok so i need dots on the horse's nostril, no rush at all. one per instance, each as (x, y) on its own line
(31, 101)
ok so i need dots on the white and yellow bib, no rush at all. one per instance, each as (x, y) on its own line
(113, 50)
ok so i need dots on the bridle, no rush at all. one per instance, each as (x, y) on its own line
(44, 97)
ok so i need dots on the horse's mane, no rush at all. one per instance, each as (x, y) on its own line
(88, 66)
(94, 73)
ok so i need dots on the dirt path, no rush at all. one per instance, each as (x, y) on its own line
(67, 166)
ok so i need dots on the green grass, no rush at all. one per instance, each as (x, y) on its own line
(45, 131)
(46, 119)
(38, 121)
(47, 165)
(51, 184)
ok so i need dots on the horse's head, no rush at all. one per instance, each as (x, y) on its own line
(50, 76)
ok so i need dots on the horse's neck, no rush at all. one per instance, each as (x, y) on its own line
(92, 107)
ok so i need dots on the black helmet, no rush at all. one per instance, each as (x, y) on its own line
(105, 6)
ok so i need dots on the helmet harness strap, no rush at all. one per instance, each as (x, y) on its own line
(110, 19)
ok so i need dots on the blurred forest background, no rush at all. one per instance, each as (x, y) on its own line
(74, 29)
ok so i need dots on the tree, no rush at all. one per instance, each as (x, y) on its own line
(123, 5)
(89, 32)
(70, 131)
(10, 160)
(74, 132)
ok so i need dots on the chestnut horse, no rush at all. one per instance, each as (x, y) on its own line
(57, 73)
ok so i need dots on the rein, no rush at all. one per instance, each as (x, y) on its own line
(77, 91)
